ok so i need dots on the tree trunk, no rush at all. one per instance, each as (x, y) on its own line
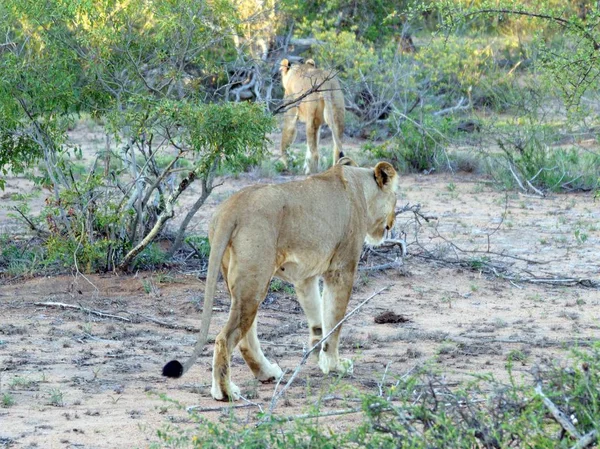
(206, 190)
(165, 216)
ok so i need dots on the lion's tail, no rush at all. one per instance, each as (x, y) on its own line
(221, 239)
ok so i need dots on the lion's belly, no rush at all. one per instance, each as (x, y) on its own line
(295, 270)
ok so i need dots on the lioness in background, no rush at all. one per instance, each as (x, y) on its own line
(299, 232)
(324, 105)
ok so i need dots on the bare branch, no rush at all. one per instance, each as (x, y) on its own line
(315, 88)
(279, 394)
(460, 106)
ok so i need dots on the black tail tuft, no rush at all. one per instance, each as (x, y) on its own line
(173, 369)
(341, 155)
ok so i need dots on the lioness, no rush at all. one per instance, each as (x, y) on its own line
(324, 105)
(299, 231)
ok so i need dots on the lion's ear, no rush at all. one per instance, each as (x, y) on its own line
(310, 62)
(284, 66)
(385, 176)
(346, 161)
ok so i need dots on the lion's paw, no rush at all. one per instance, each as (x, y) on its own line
(326, 363)
(271, 374)
(232, 394)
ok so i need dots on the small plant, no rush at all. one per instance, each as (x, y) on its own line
(165, 278)
(446, 299)
(517, 355)
(451, 187)
(87, 327)
(200, 245)
(580, 237)
(19, 382)
(277, 285)
(7, 400)
(56, 398)
(149, 286)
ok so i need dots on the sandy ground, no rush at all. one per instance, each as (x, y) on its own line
(84, 381)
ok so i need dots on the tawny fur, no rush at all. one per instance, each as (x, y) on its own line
(300, 232)
(325, 105)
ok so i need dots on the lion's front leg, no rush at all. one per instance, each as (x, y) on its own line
(336, 294)
(309, 298)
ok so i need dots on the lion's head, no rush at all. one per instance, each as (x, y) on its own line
(382, 206)
(290, 73)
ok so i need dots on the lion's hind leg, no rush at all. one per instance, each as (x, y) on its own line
(247, 292)
(311, 162)
(289, 133)
(335, 121)
(263, 369)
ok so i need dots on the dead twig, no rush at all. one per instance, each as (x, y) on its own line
(278, 395)
(415, 209)
(319, 415)
(168, 325)
(31, 225)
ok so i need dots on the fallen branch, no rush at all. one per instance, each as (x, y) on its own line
(279, 394)
(385, 266)
(458, 107)
(586, 440)
(133, 317)
(558, 415)
(197, 408)
(62, 305)
(168, 325)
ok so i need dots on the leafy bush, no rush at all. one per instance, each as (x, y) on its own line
(417, 146)
(375, 80)
(530, 158)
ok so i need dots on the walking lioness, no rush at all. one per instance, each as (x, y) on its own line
(320, 101)
(299, 232)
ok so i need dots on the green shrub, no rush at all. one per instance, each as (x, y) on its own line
(421, 411)
(530, 151)
(417, 146)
